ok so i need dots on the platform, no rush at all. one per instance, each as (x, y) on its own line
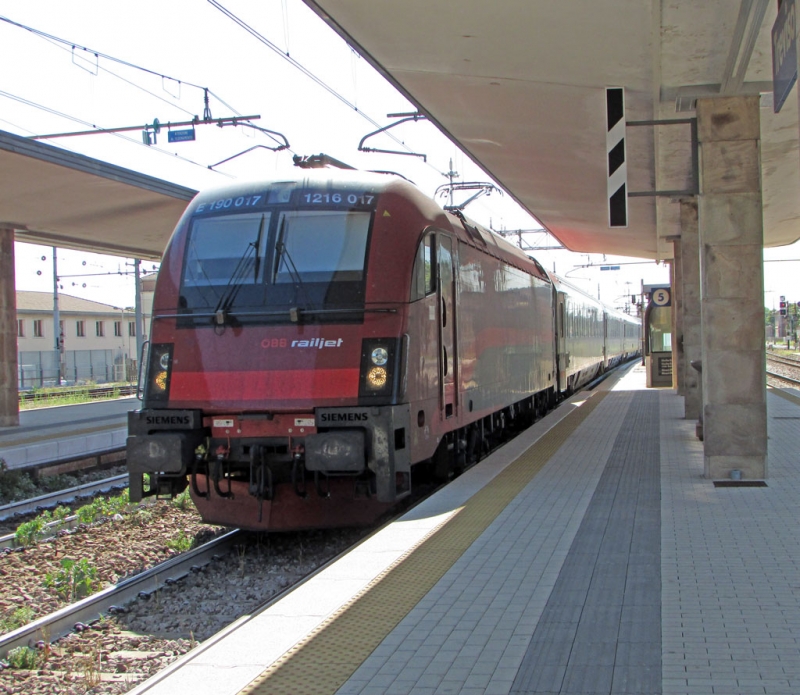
(589, 555)
(66, 432)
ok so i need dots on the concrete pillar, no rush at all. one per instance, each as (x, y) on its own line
(732, 288)
(9, 398)
(691, 342)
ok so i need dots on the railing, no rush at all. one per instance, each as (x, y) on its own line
(94, 392)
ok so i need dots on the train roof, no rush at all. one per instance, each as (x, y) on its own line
(563, 285)
(467, 230)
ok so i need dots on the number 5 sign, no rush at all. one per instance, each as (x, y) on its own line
(661, 297)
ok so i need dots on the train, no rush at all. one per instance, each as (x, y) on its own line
(315, 338)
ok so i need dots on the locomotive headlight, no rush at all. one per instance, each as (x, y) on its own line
(378, 366)
(379, 357)
(376, 377)
(161, 381)
(159, 372)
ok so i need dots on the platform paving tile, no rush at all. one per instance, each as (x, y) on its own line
(730, 559)
(728, 609)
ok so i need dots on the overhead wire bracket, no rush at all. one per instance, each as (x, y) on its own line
(404, 118)
(78, 59)
(480, 188)
(318, 161)
(221, 122)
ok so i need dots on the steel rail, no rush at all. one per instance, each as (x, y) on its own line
(784, 378)
(111, 600)
(53, 499)
(788, 361)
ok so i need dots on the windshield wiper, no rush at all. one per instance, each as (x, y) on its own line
(248, 258)
(283, 257)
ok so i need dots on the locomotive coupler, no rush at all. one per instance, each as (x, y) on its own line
(326, 493)
(260, 474)
(218, 468)
(200, 463)
(299, 472)
(260, 478)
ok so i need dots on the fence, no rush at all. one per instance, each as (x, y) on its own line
(37, 369)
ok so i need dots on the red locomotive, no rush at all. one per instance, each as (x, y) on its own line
(313, 339)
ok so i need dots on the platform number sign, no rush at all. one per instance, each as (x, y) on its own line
(661, 297)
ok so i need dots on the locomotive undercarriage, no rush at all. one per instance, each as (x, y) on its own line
(264, 465)
(343, 466)
(465, 446)
(285, 482)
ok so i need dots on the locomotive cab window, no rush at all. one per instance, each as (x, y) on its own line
(423, 280)
(260, 267)
(320, 246)
(222, 249)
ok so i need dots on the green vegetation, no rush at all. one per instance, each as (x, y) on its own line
(181, 543)
(16, 618)
(183, 501)
(22, 658)
(18, 485)
(75, 579)
(31, 532)
(141, 516)
(103, 507)
(65, 395)
(14, 485)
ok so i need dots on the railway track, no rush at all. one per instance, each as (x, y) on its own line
(785, 379)
(785, 370)
(53, 499)
(783, 359)
(112, 599)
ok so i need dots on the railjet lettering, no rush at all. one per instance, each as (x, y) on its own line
(317, 343)
(168, 420)
(344, 417)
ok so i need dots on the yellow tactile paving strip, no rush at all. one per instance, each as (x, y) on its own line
(327, 657)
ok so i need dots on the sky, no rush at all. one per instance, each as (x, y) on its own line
(188, 45)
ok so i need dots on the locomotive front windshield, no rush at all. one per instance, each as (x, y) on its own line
(256, 267)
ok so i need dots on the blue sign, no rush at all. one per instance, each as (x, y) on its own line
(180, 135)
(609, 267)
(784, 53)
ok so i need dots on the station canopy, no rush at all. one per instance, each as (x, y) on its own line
(54, 197)
(520, 85)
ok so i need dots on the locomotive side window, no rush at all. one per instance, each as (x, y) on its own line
(423, 281)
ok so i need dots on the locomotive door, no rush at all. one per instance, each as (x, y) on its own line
(561, 341)
(447, 326)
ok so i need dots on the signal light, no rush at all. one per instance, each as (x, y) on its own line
(783, 307)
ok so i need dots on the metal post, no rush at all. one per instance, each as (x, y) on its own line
(56, 318)
(138, 319)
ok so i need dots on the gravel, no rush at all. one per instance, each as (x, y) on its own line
(114, 548)
(118, 652)
(786, 370)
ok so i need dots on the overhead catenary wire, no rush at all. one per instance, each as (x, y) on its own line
(299, 66)
(61, 114)
(67, 45)
(71, 46)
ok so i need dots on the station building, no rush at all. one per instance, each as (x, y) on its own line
(98, 341)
